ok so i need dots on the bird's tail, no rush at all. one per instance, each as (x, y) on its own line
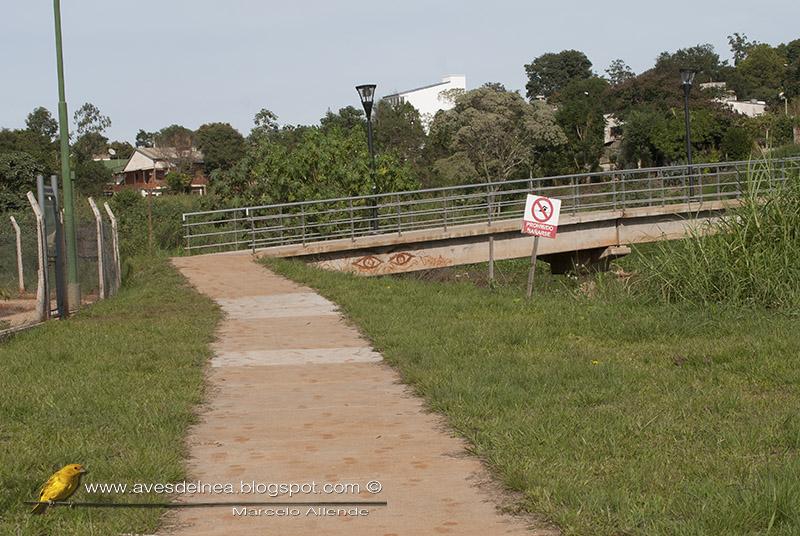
(39, 508)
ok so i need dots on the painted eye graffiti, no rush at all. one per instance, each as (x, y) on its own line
(401, 259)
(369, 262)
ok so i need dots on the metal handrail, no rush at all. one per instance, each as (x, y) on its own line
(400, 212)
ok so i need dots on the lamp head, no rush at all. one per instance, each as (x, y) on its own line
(366, 92)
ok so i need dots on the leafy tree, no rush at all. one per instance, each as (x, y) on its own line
(221, 144)
(266, 124)
(309, 163)
(42, 123)
(145, 139)
(347, 118)
(88, 119)
(619, 72)
(760, 75)
(91, 177)
(580, 114)
(40, 148)
(737, 143)
(90, 145)
(497, 132)
(122, 149)
(398, 129)
(178, 142)
(702, 58)
(740, 46)
(18, 172)
(178, 182)
(174, 136)
(551, 72)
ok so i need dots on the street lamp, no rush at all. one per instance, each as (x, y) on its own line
(687, 78)
(366, 93)
(782, 95)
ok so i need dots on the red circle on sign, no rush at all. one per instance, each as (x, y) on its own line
(545, 207)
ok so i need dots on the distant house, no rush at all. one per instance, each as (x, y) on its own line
(146, 168)
(750, 108)
(429, 99)
(117, 168)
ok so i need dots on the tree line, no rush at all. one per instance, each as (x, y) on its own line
(490, 134)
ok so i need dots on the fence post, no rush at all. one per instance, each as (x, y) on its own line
(99, 230)
(399, 220)
(303, 223)
(42, 296)
(20, 272)
(352, 221)
(445, 211)
(252, 229)
(115, 248)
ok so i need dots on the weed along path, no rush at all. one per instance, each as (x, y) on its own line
(296, 396)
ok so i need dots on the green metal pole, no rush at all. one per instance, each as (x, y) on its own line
(73, 287)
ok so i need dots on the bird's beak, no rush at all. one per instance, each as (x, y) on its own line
(83, 470)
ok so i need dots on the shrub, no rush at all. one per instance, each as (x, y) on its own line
(750, 256)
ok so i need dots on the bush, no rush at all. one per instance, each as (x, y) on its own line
(749, 259)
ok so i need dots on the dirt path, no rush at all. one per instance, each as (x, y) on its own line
(298, 396)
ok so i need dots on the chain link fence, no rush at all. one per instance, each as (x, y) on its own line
(25, 297)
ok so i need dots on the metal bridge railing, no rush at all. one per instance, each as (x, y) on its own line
(399, 212)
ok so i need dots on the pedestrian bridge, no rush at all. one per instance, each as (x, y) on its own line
(601, 215)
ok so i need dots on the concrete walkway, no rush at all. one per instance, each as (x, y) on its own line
(296, 395)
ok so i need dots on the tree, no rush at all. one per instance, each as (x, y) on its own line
(221, 144)
(347, 118)
(619, 72)
(177, 182)
(89, 146)
(497, 132)
(42, 123)
(550, 72)
(88, 118)
(740, 46)
(18, 172)
(309, 163)
(580, 114)
(40, 148)
(266, 123)
(91, 177)
(122, 149)
(398, 129)
(177, 143)
(760, 75)
(145, 139)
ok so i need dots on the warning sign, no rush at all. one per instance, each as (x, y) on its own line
(541, 216)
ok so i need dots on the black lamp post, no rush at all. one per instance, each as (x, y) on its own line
(366, 93)
(687, 78)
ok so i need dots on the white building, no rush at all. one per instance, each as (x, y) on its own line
(751, 108)
(430, 99)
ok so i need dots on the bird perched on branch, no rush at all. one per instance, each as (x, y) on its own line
(60, 486)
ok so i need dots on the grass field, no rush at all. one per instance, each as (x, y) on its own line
(112, 388)
(609, 416)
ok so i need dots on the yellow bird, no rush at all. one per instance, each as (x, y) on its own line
(60, 486)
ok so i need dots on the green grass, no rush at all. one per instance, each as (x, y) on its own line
(112, 388)
(610, 416)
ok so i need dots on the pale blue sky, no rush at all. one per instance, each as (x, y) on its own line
(148, 64)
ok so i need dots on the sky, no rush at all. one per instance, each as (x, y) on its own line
(148, 64)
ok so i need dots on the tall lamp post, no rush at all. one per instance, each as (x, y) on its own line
(73, 287)
(782, 95)
(366, 93)
(687, 78)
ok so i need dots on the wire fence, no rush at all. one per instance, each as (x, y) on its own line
(28, 245)
(257, 227)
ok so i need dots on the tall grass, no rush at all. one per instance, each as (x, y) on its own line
(749, 258)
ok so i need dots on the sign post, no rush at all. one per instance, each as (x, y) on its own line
(540, 219)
